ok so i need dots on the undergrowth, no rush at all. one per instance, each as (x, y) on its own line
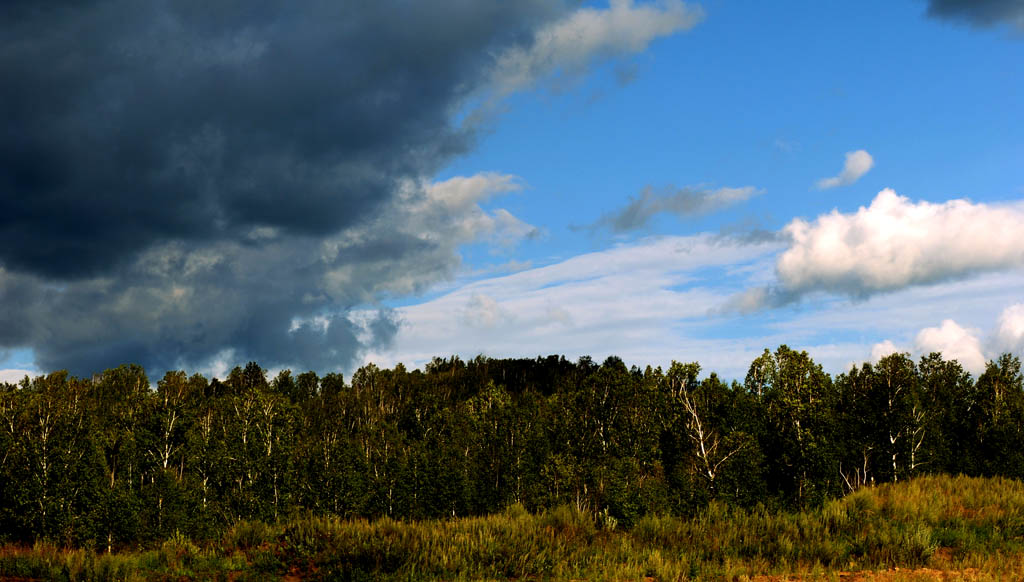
(951, 523)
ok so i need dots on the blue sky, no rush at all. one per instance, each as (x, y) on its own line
(771, 97)
(743, 99)
(655, 180)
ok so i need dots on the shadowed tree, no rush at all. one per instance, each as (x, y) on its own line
(899, 413)
(796, 398)
(1000, 417)
(60, 481)
(120, 397)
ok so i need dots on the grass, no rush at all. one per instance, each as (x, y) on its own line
(969, 528)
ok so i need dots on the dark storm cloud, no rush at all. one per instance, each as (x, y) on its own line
(182, 178)
(979, 12)
(178, 306)
(280, 300)
(128, 123)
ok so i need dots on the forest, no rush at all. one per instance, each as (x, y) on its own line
(111, 461)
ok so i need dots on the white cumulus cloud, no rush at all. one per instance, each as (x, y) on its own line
(883, 349)
(1009, 335)
(964, 343)
(857, 164)
(15, 375)
(894, 243)
(955, 343)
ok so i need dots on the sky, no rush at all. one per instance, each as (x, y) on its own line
(321, 185)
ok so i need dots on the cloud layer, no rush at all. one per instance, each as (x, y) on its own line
(856, 165)
(649, 302)
(277, 299)
(131, 123)
(184, 181)
(629, 301)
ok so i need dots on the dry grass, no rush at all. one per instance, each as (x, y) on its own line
(932, 528)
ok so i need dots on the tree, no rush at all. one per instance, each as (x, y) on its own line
(119, 402)
(693, 403)
(59, 480)
(900, 412)
(1000, 422)
(949, 400)
(796, 397)
(856, 420)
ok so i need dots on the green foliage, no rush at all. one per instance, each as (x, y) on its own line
(112, 462)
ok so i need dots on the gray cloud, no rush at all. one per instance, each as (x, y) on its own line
(979, 12)
(182, 179)
(683, 202)
(177, 306)
(282, 300)
(757, 299)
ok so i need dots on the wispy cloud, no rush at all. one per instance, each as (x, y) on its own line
(564, 49)
(624, 301)
(483, 311)
(979, 12)
(683, 202)
(785, 145)
(856, 165)
(660, 299)
(458, 199)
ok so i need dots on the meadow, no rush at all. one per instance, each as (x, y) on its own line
(932, 527)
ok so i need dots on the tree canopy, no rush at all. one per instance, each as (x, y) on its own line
(116, 459)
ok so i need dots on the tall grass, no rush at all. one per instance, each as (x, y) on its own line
(953, 523)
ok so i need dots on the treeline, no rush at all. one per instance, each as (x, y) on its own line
(108, 461)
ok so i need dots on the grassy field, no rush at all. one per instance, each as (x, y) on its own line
(931, 528)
